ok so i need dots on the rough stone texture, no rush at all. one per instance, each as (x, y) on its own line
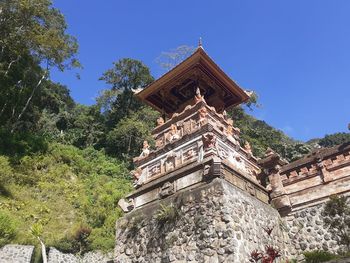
(217, 222)
(16, 254)
(56, 256)
(308, 232)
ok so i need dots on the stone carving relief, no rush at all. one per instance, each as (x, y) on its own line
(173, 134)
(189, 154)
(247, 147)
(237, 161)
(154, 169)
(202, 116)
(160, 121)
(166, 190)
(139, 175)
(159, 142)
(209, 141)
(170, 162)
(145, 151)
(198, 97)
(187, 127)
(223, 153)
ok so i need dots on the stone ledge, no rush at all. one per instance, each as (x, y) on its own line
(16, 253)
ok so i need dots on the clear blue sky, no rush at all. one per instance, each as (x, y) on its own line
(294, 54)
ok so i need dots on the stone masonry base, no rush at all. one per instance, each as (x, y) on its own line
(215, 222)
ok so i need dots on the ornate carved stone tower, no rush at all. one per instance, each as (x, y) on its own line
(198, 168)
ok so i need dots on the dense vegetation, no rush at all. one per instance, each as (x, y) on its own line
(64, 166)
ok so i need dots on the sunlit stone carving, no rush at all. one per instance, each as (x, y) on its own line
(160, 121)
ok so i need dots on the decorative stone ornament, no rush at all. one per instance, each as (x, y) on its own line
(160, 121)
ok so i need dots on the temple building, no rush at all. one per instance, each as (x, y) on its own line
(198, 134)
(202, 196)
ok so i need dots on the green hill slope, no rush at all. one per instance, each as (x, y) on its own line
(63, 189)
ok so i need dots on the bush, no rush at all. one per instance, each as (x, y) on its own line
(337, 217)
(6, 172)
(7, 228)
(317, 256)
(166, 213)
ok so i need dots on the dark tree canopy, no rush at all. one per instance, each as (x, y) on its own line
(334, 139)
(33, 39)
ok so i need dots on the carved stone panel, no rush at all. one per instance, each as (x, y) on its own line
(189, 154)
(169, 162)
(166, 190)
(154, 169)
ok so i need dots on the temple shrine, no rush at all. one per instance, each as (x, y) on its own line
(202, 196)
(198, 141)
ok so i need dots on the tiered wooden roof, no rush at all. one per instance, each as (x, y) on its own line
(175, 90)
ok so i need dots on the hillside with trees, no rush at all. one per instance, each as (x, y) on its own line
(63, 165)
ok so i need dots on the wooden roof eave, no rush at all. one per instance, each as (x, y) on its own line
(198, 57)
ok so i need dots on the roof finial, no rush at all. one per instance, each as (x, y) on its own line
(200, 42)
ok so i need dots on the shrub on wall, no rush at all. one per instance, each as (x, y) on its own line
(318, 256)
(337, 217)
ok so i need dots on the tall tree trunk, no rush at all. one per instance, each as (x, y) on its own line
(29, 99)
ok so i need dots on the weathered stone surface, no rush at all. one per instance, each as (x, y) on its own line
(308, 232)
(217, 222)
(56, 256)
(16, 254)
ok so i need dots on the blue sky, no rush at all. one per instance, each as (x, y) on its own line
(294, 54)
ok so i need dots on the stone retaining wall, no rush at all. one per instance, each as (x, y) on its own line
(16, 254)
(56, 256)
(217, 222)
(308, 232)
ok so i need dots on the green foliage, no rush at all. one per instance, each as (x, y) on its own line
(317, 256)
(33, 39)
(295, 151)
(36, 230)
(135, 223)
(334, 139)
(18, 144)
(166, 213)
(260, 135)
(125, 140)
(337, 216)
(7, 228)
(127, 74)
(124, 78)
(81, 126)
(6, 171)
(62, 189)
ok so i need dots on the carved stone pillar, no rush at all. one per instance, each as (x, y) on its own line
(272, 165)
(325, 174)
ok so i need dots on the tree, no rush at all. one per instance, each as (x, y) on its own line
(6, 171)
(337, 216)
(125, 140)
(334, 139)
(169, 59)
(124, 78)
(33, 39)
